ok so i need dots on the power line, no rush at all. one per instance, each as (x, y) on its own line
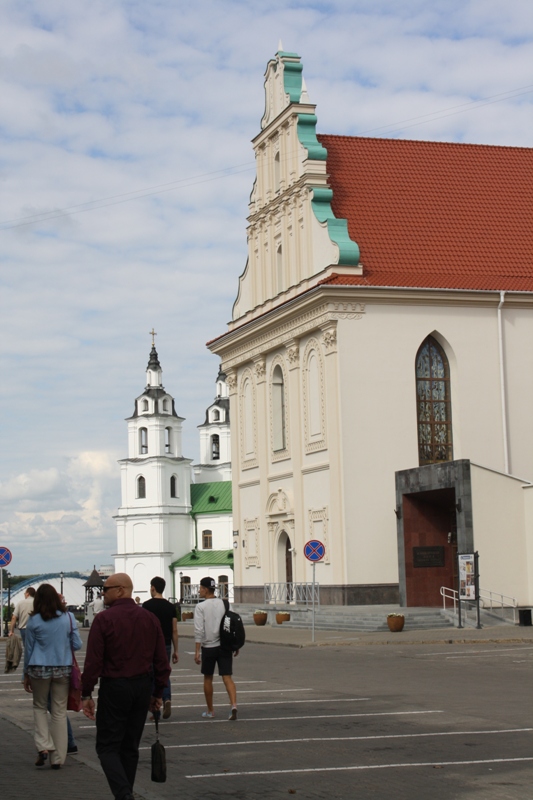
(126, 197)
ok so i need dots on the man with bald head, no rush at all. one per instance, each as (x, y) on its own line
(124, 642)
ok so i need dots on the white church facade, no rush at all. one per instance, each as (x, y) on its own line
(380, 362)
(175, 518)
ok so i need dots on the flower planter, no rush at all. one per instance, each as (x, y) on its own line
(283, 616)
(396, 623)
(260, 619)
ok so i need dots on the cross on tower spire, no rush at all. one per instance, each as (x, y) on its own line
(153, 334)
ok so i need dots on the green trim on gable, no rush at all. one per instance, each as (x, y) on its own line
(292, 77)
(211, 498)
(205, 558)
(306, 130)
(337, 228)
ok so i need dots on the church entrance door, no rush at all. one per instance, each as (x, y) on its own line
(285, 565)
(430, 540)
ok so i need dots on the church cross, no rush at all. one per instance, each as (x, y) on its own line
(153, 334)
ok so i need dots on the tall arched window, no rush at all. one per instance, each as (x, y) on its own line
(278, 410)
(143, 440)
(145, 405)
(141, 487)
(277, 172)
(215, 447)
(434, 411)
(279, 269)
(168, 440)
(173, 486)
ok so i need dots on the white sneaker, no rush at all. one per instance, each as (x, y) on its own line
(233, 713)
(209, 714)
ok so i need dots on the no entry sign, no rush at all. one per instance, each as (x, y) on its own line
(314, 550)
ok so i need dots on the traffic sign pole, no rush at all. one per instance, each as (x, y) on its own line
(313, 635)
(5, 559)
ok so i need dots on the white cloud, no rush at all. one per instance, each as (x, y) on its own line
(101, 99)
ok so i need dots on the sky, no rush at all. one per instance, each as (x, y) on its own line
(125, 173)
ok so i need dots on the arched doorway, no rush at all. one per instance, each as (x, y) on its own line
(285, 565)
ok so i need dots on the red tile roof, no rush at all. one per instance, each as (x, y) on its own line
(433, 214)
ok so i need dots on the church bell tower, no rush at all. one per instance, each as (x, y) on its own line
(154, 525)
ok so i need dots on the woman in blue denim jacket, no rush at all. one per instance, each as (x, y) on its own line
(51, 636)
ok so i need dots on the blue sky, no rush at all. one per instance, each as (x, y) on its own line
(125, 173)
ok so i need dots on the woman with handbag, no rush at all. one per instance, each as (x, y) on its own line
(51, 639)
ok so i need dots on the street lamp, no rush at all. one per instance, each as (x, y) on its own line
(8, 617)
(61, 575)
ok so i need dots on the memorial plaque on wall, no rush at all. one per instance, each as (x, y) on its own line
(428, 556)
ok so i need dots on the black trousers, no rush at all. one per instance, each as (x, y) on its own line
(120, 716)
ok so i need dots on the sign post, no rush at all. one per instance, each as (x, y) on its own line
(5, 559)
(468, 575)
(314, 551)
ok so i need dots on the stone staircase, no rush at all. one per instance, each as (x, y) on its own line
(349, 618)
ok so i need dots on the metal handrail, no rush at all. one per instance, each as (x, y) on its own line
(190, 593)
(484, 594)
(292, 593)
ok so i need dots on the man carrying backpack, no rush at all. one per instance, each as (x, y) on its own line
(207, 618)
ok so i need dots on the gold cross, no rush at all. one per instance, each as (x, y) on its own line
(152, 334)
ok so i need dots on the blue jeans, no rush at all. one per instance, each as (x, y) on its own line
(166, 690)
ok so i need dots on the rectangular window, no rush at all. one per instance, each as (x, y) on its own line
(207, 540)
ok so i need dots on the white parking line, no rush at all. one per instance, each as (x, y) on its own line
(283, 719)
(494, 652)
(363, 767)
(343, 738)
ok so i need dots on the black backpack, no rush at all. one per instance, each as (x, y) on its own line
(232, 634)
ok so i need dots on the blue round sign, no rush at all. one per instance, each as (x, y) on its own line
(314, 550)
(5, 556)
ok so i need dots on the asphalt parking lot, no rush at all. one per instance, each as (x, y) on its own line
(435, 720)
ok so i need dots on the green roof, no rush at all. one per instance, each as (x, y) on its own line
(205, 558)
(211, 498)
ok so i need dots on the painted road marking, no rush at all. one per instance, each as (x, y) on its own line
(344, 738)
(282, 719)
(364, 767)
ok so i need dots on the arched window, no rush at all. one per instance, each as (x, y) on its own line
(216, 415)
(223, 586)
(145, 405)
(433, 403)
(215, 447)
(207, 540)
(279, 269)
(278, 410)
(143, 440)
(141, 487)
(173, 486)
(168, 440)
(165, 405)
(277, 172)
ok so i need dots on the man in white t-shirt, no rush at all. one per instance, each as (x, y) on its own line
(207, 618)
(22, 613)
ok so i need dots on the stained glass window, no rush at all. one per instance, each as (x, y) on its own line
(433, 404)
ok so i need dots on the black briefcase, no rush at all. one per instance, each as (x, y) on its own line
(159, 761)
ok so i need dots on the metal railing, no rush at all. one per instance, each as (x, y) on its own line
(292, 593)
(491, 601)
(190, 593)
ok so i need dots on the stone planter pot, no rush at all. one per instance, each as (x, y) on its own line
(187, 615)
(396, 624)
(283, 616)
(260, 619)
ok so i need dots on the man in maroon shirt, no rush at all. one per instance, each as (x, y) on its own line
(124, 642)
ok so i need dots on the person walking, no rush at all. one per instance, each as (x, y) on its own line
(51, 636)
(123, 645)
(22, 612)
(208, 652)
(166, 614)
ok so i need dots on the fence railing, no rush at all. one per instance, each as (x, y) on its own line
(292, 593)
(492, 601)
(190, 592)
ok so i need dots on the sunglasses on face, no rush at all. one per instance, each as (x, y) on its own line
(115, 586)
